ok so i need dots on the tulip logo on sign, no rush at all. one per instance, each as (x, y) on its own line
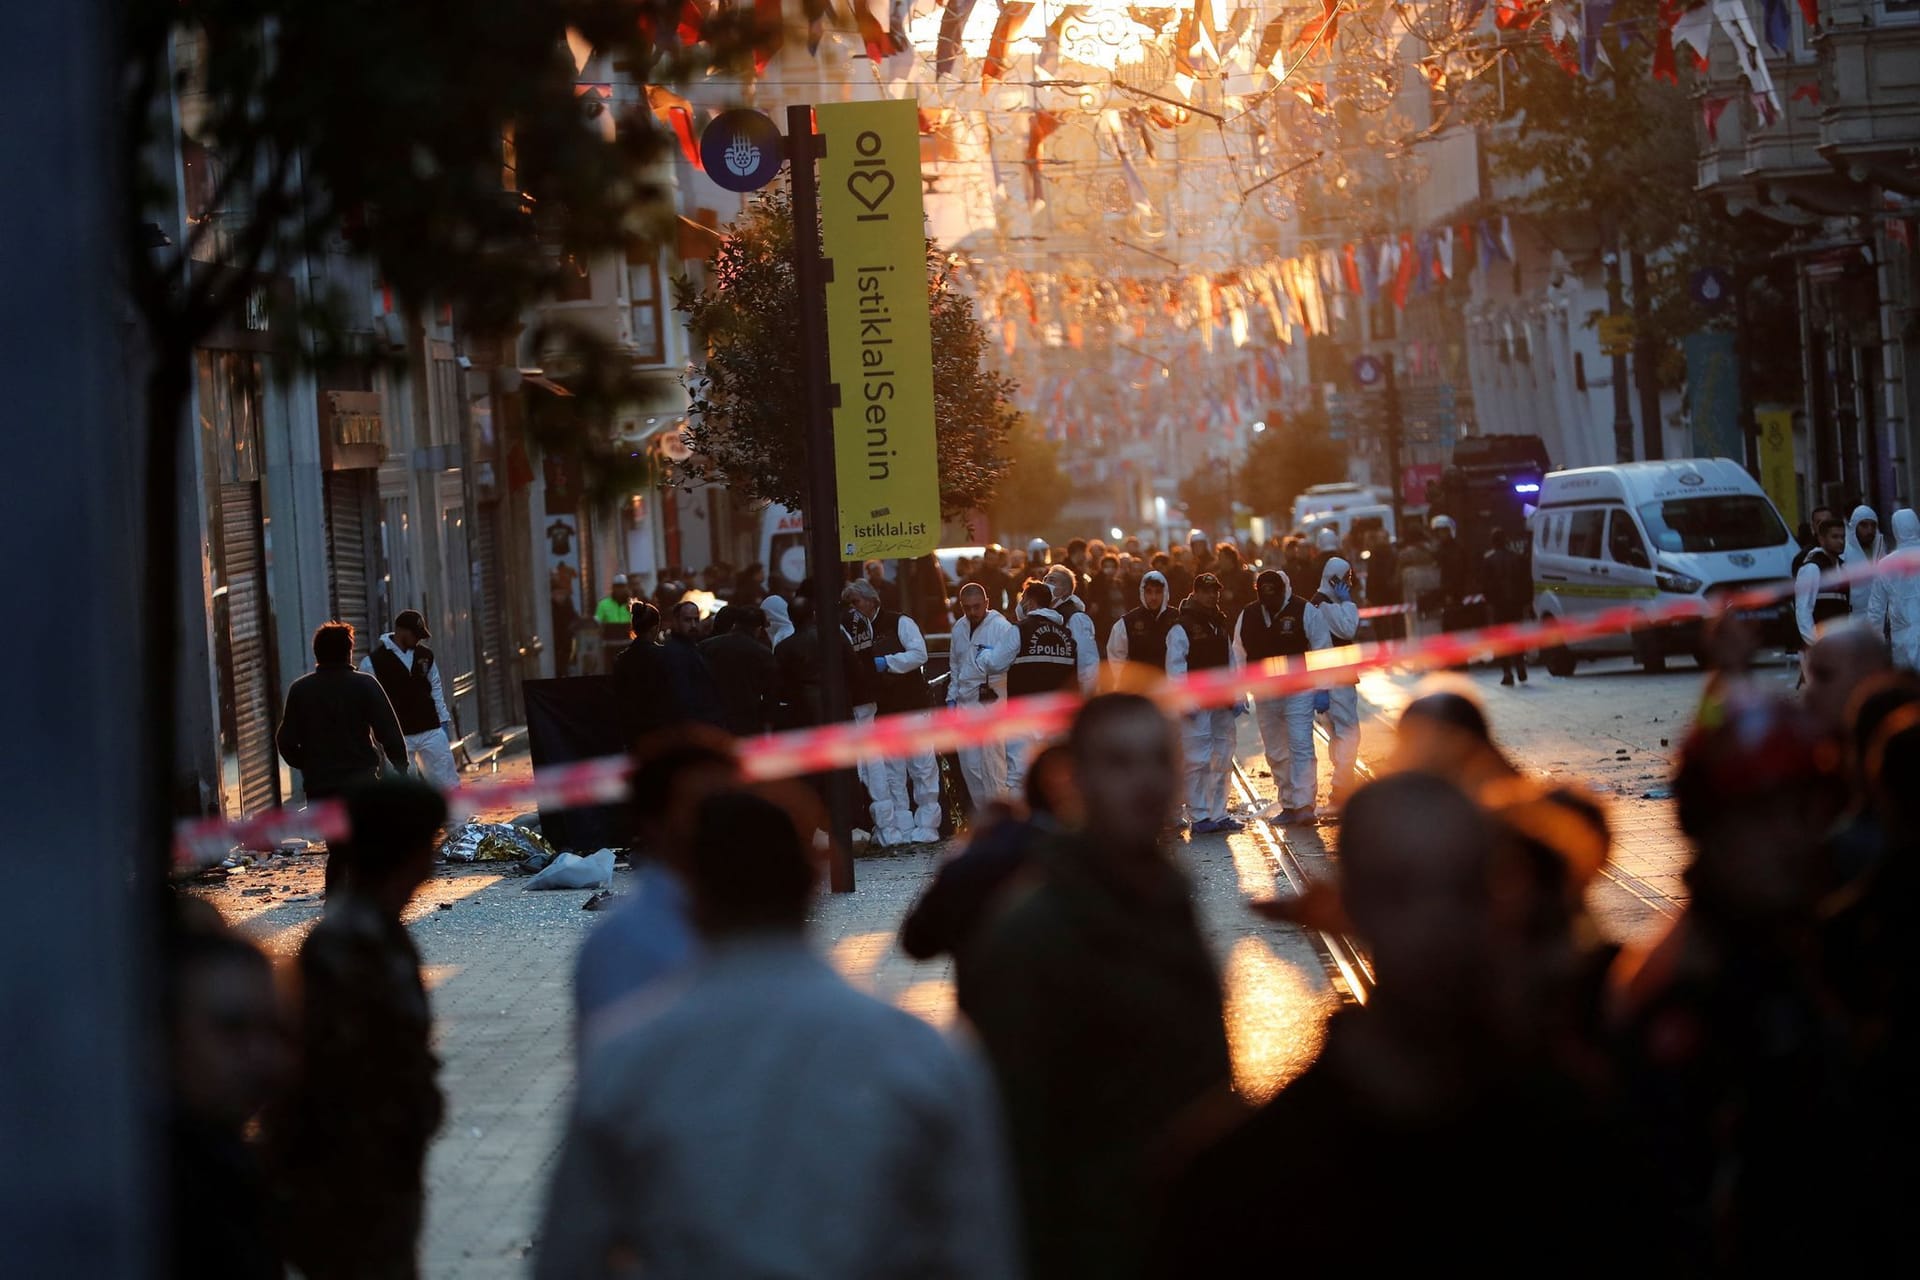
(742, 157)
(741, 150)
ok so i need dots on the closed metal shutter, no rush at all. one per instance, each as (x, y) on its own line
(489, 622)
(348, 493)
(249, 647)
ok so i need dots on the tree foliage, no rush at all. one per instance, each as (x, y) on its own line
(1610, 164)
(749, 400)
(1207, 497)
(443, 143)
(1287, 457)
(1033, 489)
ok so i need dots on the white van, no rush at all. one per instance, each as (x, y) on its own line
(1347, 519)
(1636, 531)
(1324, 499)
(783, 548)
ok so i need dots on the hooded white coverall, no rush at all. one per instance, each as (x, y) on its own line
(1286, 724)
(1207, 739)
(1855, 552)
(979, 658)
(1336, 607)
(911, 822)
(1893, 600)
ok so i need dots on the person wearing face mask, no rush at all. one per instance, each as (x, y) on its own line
(1334, 602)
(1280, 624)
(983, 646)
(1140, 635)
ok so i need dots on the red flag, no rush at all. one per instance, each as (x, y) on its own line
(1664, 66)
(1517, 15)
(873, 32)
(1810, 10)
(1350, 269)
(1409, 263)
(1562, 52)
(1321, 30)
(676, 113)
(769, 32)
(1710, 109)
(1808, 92)
(1010, 20)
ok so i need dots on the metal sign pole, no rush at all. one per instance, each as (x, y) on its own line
(823, 501)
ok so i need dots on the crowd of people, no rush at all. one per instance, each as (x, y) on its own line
(1519, 1090)
(1733, 1095)
(1020, 623)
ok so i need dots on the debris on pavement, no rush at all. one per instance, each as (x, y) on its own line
(493, 842)
(571, 871)
(601, 901)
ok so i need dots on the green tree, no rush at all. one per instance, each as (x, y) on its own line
(1033, 489)
(1609, 164)
(749, 398)
(441, 142)
(1291, 454)
(1205, 495)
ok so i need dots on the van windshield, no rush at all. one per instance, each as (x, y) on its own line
(1731, 522)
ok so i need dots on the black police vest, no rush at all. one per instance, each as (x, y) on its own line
(410, 692)
(1835, 600)
(1046, 659)
(1284, 637)
(863, 686)
(896, 692)
(1207, 638)
(1147, 635)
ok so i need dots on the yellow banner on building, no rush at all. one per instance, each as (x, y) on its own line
(1776, 462)
(879, 336)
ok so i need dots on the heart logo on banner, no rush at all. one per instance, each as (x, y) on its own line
(879, 180)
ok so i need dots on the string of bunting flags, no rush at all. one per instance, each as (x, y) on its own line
(804, 751)
(1291, 296)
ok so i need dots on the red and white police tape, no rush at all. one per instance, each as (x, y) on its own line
(836, 746)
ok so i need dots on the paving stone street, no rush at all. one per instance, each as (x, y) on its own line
(499, 960)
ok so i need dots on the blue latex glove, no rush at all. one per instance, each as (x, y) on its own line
(1341, 592)
(1323, 700)
(1239, 709)
(880, 665)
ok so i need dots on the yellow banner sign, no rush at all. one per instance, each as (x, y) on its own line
(879, 339)
(1776, 462)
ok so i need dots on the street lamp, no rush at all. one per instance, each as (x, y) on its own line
(1258, 427)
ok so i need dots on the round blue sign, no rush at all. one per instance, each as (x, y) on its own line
(1368, 372)
(741, 150)
(1711, 288)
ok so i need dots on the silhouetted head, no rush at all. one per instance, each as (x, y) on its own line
(749, 869)
(1126, 766)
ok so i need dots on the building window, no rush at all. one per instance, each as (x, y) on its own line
(576, 280)
(643, 289)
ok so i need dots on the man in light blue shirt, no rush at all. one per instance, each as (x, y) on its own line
(620, 972)
(770, 1120)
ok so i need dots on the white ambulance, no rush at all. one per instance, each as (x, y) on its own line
(1603, 536)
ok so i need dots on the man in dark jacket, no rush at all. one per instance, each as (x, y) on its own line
(1508, 585)
(689, 677)
(1098, 1002)
(743, 668)
(349, 1141)
(333, 717)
